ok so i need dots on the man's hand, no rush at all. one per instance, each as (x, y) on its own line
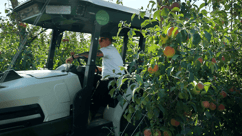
(69, 60)
(99, 69)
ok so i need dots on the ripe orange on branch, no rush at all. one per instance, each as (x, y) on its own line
(214, 60)
(200, 86)
(205, 104)
(170, 31)
(212, 106)
(223, 94)
(157, 133)
(147, 132)
(169, 52)
(23, 25)
(174, 123)
(221, 107)
(200, 60)
(223, 58)
(153, 70)
(167, 133)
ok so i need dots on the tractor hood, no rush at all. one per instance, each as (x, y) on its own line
(30, 74)
(40, 74)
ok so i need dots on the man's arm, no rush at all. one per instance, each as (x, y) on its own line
(85, 54)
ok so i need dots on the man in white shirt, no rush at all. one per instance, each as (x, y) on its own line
(111, 62)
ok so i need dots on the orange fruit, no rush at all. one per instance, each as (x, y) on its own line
(214, 60)
(147, 132)
(221, 107)
(223, 58)
(223, 94)
(200, 60)
(153, 70)
(170, 31)
(200, 86)
(174, 123)
(167, 133)
(157, 133)
(169, 52)
(205, 104)
(212, 106)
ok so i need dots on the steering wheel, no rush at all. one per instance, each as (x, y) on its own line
(85, 59)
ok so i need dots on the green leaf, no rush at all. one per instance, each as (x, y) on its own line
(162, 93)
(208, 114)
(6, 11)
(164, 12)
(139, 79)
(145, 23)
(207, 35)
(175, 9)
(150, 115)
(196, 39)
(180, 15)
(194, 106)
(111, 83)
(121, 100)
(162, 109)
(156, 112)
(111, 92)
(169, 70)
(201, 6)
(132, 17)
(174, 57)
(157, 15)
(134, 91)
(129, 117)
(142, 14)
(191, 77)
(119, 82)
(206, 86)
(179, 38)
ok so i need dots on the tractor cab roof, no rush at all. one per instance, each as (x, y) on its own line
(79, 15)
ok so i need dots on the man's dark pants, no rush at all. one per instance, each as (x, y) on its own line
(101, 96)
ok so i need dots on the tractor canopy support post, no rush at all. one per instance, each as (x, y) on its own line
(90, 67)
(142, 47)
(141, 42)
(124, 48)
(55, 40)
(81, 103)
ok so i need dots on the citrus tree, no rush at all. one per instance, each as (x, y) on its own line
(189, 82)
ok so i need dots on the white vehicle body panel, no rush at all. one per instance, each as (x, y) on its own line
(115, 114)
(53, 90)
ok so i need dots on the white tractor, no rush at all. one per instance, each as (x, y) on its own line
(56, 102)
